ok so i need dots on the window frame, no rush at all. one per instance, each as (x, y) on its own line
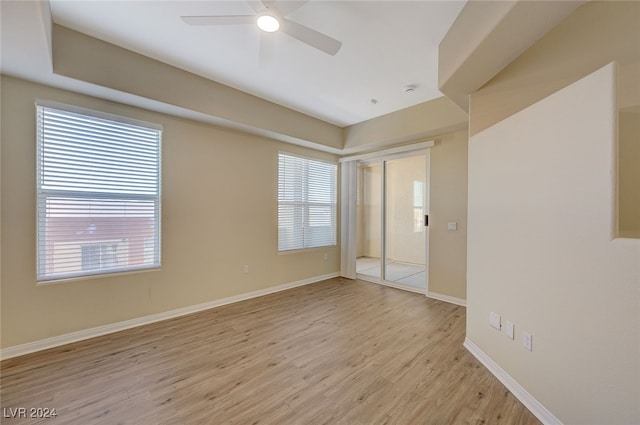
(44, 277)
(308, 205)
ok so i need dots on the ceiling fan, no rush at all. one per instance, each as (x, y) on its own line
(270, 17)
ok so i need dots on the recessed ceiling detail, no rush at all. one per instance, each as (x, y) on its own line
(280, 68)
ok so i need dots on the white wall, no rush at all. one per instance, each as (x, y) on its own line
(541, 253)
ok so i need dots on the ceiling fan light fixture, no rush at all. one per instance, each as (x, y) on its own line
(268, 23)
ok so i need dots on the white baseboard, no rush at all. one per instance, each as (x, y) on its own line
(534, 406)
(56, 341)
(447, 298)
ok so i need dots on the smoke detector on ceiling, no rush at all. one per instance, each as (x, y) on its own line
(410, 88)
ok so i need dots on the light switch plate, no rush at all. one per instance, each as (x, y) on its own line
(494, 320)
(527, 340)
(509, 329)
(452, 226)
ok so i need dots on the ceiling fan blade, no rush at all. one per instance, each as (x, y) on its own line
(311, 37)
(220, 20)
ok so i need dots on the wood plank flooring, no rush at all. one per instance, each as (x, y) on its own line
(335, 352)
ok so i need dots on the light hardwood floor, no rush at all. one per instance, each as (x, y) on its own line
(335, 352)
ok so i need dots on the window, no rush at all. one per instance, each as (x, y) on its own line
(98, 193)
(306, 203)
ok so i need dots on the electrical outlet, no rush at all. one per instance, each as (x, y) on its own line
(452, 226)
(245, 268)
(527, 340)
(494, 320)
(509, 329)
(326, 257)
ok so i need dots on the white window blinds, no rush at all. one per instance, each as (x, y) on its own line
(98, 194)
(306, 203)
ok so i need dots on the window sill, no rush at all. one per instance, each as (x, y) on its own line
(116, 273)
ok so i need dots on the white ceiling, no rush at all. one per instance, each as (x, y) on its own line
(386, 46)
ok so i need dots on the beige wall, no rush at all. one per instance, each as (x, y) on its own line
(541, 254)
(422, 121)
(629, 173)
(219, 212)
(541, 200)
(85, 58)
(575, 48)
(594, 35)
(448, 203)
(541, 219)
(487, 35)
